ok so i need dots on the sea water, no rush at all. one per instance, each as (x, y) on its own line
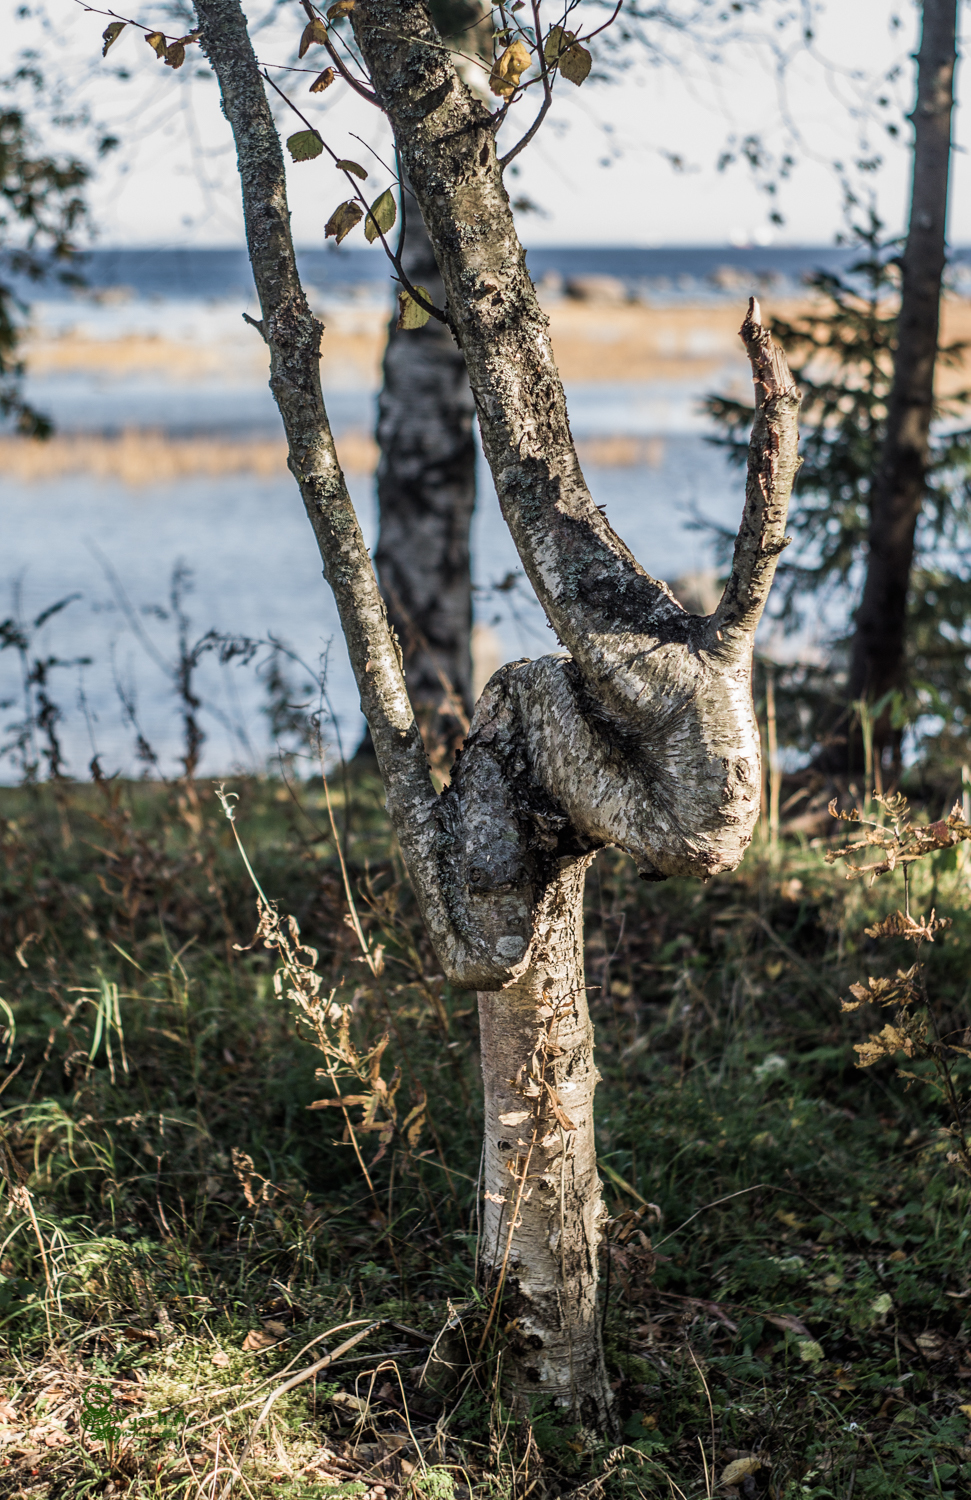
(246, 556)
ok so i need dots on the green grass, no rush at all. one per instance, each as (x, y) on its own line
(788, 1256)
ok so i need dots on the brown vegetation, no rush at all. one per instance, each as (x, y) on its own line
(138, 457)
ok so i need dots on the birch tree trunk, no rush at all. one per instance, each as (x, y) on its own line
(542, 1207)
(640, 734)
(878, 655)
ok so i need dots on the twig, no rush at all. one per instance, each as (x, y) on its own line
(547, 93)
(413, 293)
(288, 1385)
(313, 13)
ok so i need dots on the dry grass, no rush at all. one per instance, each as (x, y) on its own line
(629, 342)
(605, 343)
(139, 457)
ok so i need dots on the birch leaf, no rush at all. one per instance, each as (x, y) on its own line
(305, 145)
(156, 41)
(557, 43)
(410, 313)
(508, 68)
(111, 34)
(342, 220)
(340, 9)
(576, 63)
(351, 166)
(175, 55)
(322, 81)
(381, 216)
(314, 35)
(514, 1117)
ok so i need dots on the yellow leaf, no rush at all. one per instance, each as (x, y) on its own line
(966, 1411)
(342, 220)
(410, 313)
(322, 81)
(175, 55)
(736, 1471)
(314, 35)
(340, 9)
(508, 68)
(157, 42)
(305, 145)
(381, 216)
(351, 166)
(576, 63)
(111, 34)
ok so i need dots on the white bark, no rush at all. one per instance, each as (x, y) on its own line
(542, 1204)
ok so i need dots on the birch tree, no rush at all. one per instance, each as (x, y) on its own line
(640, 734)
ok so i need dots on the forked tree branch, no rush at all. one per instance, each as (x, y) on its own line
(644, 736)
(604, 607)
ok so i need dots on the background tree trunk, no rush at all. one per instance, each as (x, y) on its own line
(426, 497)
(879, 643)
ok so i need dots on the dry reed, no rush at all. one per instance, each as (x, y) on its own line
(139, 457)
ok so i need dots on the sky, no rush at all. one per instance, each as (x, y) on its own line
(630, 160)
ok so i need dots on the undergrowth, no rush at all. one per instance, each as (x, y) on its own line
(785, 1279)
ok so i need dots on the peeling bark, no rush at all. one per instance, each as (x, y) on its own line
(641, 734)
(542, 1208)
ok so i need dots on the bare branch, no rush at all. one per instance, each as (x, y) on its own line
(547, 93)
(772, 463)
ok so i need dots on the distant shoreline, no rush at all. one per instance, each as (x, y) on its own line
(682, 270)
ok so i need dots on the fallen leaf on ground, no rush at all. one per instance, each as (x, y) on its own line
(220, 1359)
(352, 1406)
(739, 1468)
(258, 1339)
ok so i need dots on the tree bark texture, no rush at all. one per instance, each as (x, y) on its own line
(540, 1222)
(426, 497)
(640, 734)
(879, 643)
